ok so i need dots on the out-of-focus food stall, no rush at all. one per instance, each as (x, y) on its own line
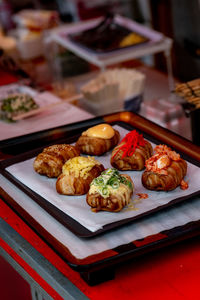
(86, 108)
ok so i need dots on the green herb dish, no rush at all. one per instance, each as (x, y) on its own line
(15, 105)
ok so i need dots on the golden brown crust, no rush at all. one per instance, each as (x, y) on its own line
(134, 162)
(65, 151)
(68, 184)
(97, 146)
(161, 182)
(113, 203)
(52, 158)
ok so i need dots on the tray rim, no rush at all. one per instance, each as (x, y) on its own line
(70, 223)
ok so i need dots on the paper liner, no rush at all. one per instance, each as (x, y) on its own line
(76, 206)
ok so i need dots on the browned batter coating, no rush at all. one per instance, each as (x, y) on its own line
(52, 158)
(97, 146)
(115, 202)
(165, 170)
(176, 171)
(72, 185)
(134, 162)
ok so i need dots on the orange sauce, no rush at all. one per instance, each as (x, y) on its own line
(103, 131)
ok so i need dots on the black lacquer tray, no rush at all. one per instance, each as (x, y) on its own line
(73, 224)
(93, 269)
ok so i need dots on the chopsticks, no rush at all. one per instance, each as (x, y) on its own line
(190, 91)
(43, 108)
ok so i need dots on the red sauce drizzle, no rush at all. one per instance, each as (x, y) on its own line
(142, 195)
(131, 141)
(184, 185)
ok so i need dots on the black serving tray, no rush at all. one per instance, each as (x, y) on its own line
(58, 214)
(101, 267)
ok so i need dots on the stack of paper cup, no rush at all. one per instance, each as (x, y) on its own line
(101, 96)
(111, 89)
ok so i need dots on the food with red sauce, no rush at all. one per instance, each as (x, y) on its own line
(165, 170)
(131, 153)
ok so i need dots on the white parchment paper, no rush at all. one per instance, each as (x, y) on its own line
(76, 206)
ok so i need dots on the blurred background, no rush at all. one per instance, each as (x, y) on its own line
(34, 46)
(178, 19)
(34, 51)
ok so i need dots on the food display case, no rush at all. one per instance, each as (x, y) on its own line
(151, 42)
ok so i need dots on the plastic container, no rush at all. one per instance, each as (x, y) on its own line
(114, 90)
(133, 104)
(161, 110)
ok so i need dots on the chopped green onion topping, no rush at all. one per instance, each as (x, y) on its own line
(112, 178)
(105, 191)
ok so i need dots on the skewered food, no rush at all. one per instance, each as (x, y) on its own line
(51, 160)
(15, 105)
(165, 170)
(98, 139)
(131, 153)
(77, 174)
(110, 191)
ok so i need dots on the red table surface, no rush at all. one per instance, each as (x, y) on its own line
(7, 78)
(171, 273)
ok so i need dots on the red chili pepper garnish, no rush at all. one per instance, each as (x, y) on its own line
(130, 142)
